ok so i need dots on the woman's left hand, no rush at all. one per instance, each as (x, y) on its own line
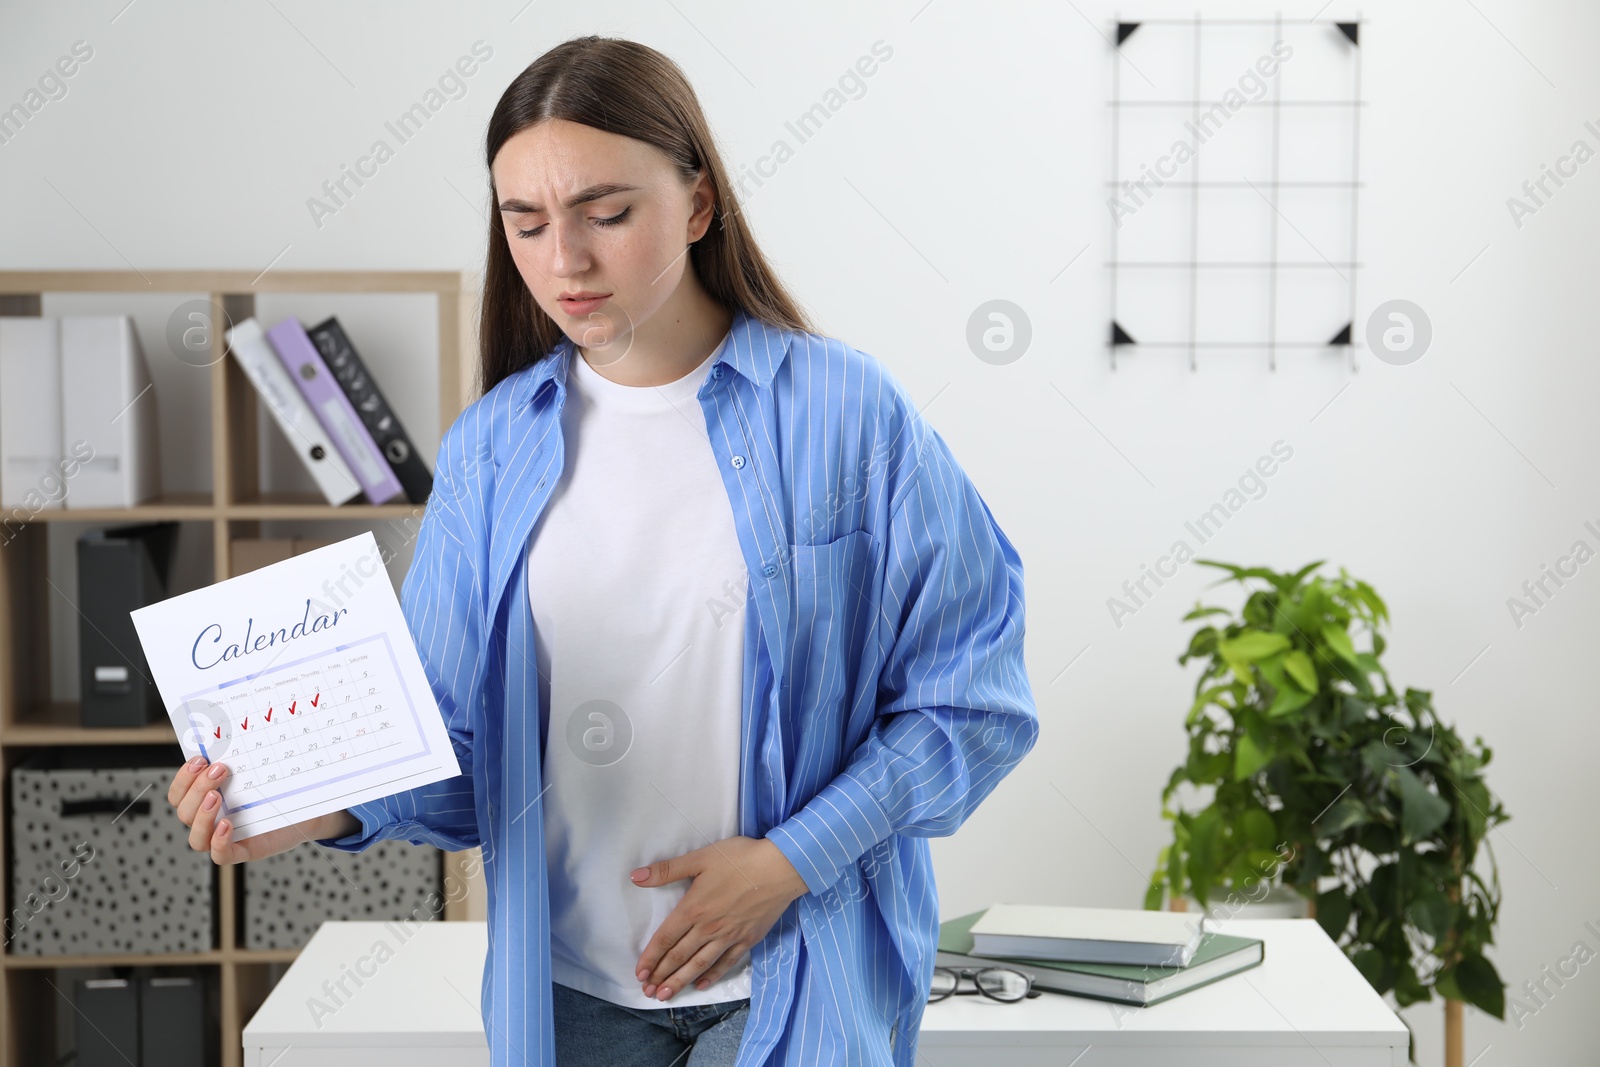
(741, 886)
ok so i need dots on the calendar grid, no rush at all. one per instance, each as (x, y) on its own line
(293, 722)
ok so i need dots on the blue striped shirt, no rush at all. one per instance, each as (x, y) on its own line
(884, 697)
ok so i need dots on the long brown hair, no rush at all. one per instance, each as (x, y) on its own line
(628, 88)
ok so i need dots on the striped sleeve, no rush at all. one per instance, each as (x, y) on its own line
(956, 712)
(439, 600)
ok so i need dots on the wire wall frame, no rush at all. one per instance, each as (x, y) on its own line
(1234, 202)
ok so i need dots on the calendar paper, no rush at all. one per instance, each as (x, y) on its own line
(303, 679)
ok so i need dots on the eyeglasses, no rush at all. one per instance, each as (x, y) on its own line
(997, 983)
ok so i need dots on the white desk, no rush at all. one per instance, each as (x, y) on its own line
(1306, 1004)
(418, 1008)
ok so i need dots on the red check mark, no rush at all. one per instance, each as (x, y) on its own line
(245, 725)
(269, 714)
(219, 733)
(292, 703)
(315, 699)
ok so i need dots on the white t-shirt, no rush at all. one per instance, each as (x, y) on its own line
(638, 590)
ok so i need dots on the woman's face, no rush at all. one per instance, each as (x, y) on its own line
(591, 214)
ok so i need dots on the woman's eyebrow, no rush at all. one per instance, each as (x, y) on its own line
(593, 192)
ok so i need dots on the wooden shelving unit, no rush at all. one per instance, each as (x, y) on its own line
(235, 508)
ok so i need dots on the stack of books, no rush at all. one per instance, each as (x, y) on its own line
(1123, 955)
(331, 411)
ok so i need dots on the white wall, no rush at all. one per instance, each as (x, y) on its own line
(971, 169)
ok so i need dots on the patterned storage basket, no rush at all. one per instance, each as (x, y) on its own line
(287, 896)
(101, 864)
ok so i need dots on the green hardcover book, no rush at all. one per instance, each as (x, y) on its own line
(1218, 956)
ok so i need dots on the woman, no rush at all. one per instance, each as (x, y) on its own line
(702, 598)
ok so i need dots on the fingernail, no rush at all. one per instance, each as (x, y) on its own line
(665, 992)
(216, 770)
(222, 827)
(650, 990)
(196, 763)
(641, 873)
(210, 801)
(701, 984)
(642, 975)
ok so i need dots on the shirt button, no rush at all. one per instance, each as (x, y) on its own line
(770, 570)
(738, 462)
(716, 371)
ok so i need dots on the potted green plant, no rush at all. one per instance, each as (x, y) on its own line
(1318, 775)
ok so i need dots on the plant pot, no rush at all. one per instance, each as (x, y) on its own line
(1278, 902)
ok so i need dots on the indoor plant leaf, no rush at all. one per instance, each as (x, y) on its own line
(1299, 667)
(1255, 825)
(1480, 984)
(1421, 812)
(1333, 912)
(1371, 599)
(1252, 645)
(1287, 701)
(1430, 913)
(1251, 757)
(1298, 576)
(1338, 640)
(1345, 813)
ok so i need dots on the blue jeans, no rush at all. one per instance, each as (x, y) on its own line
(593, 1032)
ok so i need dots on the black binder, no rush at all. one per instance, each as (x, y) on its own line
(106, 1022)
(380, 420)
(172, 1011)
(119, 569)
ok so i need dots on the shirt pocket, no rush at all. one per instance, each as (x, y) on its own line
(835, 596)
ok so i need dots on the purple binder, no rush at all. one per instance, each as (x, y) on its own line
(332, 408)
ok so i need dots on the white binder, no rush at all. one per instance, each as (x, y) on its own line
(108, 410)
(294, 416)
(31, 471)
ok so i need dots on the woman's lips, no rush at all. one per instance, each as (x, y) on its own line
(582, 307)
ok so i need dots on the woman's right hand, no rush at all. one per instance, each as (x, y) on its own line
(195, 793)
